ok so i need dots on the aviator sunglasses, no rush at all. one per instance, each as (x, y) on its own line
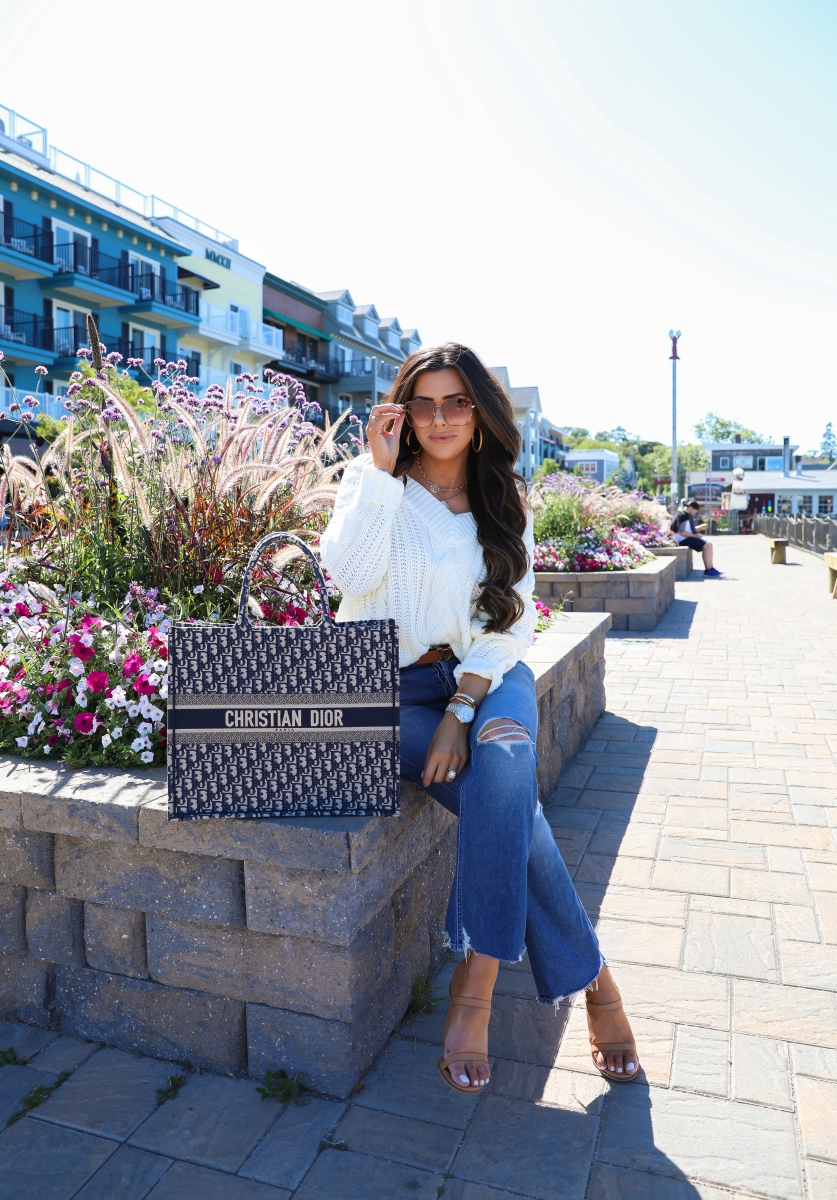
(456, 410)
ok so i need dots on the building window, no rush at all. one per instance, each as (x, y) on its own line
(806, 506)
(760, 464)
(783, 506)
(235, 368)
(825, 505)
(588, 468)
(344, 401)
(723, 462)
(743, 460)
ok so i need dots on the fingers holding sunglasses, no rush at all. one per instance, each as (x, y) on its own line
(383, 432)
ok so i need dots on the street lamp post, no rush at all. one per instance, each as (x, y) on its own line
(674, 361)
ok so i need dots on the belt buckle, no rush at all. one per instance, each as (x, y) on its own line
(445, 652)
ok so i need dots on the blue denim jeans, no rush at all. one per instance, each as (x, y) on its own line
(511, 892)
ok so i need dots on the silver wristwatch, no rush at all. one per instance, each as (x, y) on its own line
(463, 712)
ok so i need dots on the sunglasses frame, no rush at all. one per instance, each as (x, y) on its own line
(454, 425)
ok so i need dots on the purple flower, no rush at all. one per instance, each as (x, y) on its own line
(41, 371)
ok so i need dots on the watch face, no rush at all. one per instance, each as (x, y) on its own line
(462, 713)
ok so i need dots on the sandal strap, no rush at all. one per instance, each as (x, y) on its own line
(616, 1047)
(463, 1056)
(471, 1002)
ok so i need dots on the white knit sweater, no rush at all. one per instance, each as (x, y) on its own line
(395, 551)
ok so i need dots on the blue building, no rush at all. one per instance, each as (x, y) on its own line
(598, 465)
(67, 251)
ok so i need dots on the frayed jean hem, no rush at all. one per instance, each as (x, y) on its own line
(575, 993)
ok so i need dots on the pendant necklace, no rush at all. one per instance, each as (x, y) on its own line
(435, 488)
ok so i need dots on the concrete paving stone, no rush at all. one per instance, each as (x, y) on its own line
(691, 877)
(700, 851)
(659, 908)
(541, 1151)
(617, 1183)
(701, 1060)
(399, 1139)
(292, 1142)
(128, 1174)
(730, 945)
(696, 831)
(185, 1180)
(730, 907)
(785, 859)
(575, 775)
(525, 1030)
(618, 869)
(810, 814)
(813, 1060)
(17, 1082)
(691, 789)
(760, 1071)
(405, 1082)
(631, 941)
(826, 780)
(759, 776)
(826, 905)
(659, 769)
(788, 1013)
(823, 876)
(770, 833)
(350, 1176)
(796, 923)
(685, 757)
(64, 1054)
(572, 843)
(822, 1180)
(722, 1142)
(23, 1039)
(654, 1042)
(679, 996)
(576, 818)
(595, 745)
(772, 886)
(462, 1189)
(110, 1094)
(679, 741)
(563, 797)
(515, 983)
(758, 802)
(805, 964)
(816, 1103)
(45, 1162)
(826, 798)
(635, 841)
(695, 816)
(581, 1091)
(214, 1122)
(740, 792)
(26, 989)
(607, 801)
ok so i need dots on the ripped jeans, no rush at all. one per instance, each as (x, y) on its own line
(511, 892)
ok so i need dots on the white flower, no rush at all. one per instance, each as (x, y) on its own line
(159, 664)
(147, 756)
(117, 732)
(22, 741)
(109, 703)
(87, 640)
(13, 659)
(144, 729)
(81, 699)
(154, 679)
(118, 697)
(133, 710)
(4, 672)
(47, 749)
(106, 740)
(154, 713)
(196, 591)
(164, 690)
(140, 743)
(75, 666)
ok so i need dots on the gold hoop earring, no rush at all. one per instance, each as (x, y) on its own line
(476, 449)
(409, 447)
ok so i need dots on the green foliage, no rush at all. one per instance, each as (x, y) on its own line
(48, 427)
(279, 1085)
(715, 428)
(617, 437)
(562, 518)
(828, 445)
(328, 1144)
(36, 1097)
(573, 434)
(424, 999)
(548, 467)
(169, 1092)
(9, 1058)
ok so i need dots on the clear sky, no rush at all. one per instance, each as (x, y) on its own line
(555, 182)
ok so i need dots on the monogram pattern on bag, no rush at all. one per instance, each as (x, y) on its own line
(224, 778)
(346, 779)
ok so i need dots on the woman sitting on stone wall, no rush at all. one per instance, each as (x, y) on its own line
(431, 528)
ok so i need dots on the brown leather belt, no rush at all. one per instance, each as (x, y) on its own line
(435, 654)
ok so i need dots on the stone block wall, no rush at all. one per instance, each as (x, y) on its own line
(241, 945)
(635, 599)
(683, 556)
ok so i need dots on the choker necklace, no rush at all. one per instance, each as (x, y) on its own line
(434, 487)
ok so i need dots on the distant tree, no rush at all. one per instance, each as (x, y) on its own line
(619, 436)
(574, 433)
(715, 428)
(828, 445)
(548, 467)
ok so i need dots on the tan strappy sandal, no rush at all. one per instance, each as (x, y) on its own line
(628, 1049)
(444, 1064)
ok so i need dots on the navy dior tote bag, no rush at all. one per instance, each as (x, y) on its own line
(283, 721)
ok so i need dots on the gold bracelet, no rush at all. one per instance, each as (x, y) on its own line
(466, 699)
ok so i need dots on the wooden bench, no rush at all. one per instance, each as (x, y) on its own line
(778, 546)
(831, 562)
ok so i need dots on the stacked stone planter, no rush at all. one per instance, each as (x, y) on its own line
(241, 945)
(682, 555)
(635, 599)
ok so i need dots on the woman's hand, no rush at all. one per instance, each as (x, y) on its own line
(448, 750)
(383, 432)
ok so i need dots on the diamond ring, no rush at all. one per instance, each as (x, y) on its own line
(451, 774)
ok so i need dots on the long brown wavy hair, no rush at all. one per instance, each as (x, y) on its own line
(495, 490)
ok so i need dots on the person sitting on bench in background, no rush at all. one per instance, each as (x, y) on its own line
(685, 530)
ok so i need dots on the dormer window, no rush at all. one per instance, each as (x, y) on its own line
(344, 315)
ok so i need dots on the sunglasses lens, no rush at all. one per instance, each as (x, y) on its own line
(456, 410)
(421, 413)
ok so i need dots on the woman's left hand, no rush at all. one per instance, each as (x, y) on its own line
(448, 751)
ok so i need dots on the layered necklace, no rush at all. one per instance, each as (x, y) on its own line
(436, 489)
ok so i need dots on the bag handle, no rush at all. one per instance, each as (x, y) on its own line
(269, 540)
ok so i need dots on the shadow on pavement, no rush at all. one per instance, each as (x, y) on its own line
(676, 623)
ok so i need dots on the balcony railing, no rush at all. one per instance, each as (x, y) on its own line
(316, 366)
(360, 367)
(25, 237)
(27, 329)
(82, 259)
(146, 285)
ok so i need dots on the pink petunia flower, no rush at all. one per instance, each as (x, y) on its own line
(97, 681)
(132, 664)
(78, 648)
(84, 722)
(142, 687)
